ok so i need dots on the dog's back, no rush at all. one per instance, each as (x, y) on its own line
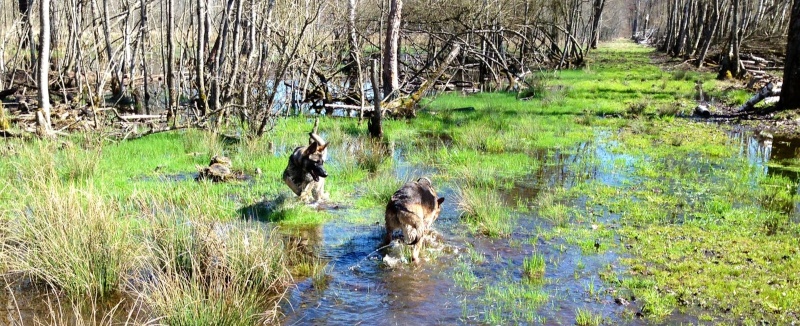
(413, 209)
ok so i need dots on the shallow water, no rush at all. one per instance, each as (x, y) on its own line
(362, 290)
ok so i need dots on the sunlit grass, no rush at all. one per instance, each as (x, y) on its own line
(71, 239)
(215, 275)
(534, 266)
(584, 317)
(485, 212)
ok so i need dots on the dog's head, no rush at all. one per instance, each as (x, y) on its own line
(315, 155)
(426, 183)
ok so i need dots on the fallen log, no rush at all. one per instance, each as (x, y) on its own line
(348, 107)
(404, 106)
(141, 116)
(702, 111)
(758, 97)
(9, 134)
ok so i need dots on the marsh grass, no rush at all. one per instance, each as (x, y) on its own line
(315, 268)
(72, 240)
(534, 266)
(227, 276)
(373, 155)
(92, 219)
(378, 190)
(511, 302)
(536, 87)
(484, 211)
(584, 317)
(86, 311)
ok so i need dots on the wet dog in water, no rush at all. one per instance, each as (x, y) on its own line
(413, 209)
(305, 174)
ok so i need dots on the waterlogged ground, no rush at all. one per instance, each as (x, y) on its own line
(589, 203)
(564, 217)
(566, 209)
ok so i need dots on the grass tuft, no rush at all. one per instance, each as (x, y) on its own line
(534, 266)
(584, 317)
(73, 240)
(228, 276)
(484, 211)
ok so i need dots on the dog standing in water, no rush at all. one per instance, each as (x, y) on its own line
(305, 174)
(413, 209)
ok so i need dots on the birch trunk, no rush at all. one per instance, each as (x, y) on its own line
(391, 81)
(43, 116)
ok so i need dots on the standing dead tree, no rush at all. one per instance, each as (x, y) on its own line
(43, 115)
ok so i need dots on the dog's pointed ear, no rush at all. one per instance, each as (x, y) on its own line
(311, 149)
(425, 181)
(440, 201)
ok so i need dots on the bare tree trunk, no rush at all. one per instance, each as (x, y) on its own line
(635, 25)
(170, 64)
(237, 31)
(354, 54)
(25, 11)
(218, 56)
(790, 92)
(709, 29)
(391, 81)
(144, 34)
(683, 30)
(731, 63)
(202, 98)
(43, 115)
(597, 16)
(374, 124)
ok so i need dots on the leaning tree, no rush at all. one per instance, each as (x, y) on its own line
(790, 94)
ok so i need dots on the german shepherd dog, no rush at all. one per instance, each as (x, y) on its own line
(413, 209)
(305, 174)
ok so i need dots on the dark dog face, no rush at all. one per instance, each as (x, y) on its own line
(315, 161)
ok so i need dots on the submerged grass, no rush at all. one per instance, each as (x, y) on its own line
(584, 317)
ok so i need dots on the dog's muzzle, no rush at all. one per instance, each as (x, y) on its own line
(318, 172)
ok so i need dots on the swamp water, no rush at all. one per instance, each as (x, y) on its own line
(480, 280)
